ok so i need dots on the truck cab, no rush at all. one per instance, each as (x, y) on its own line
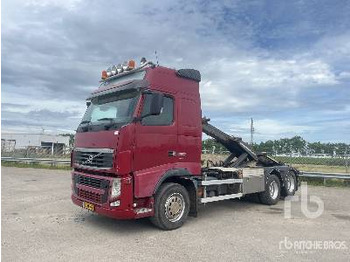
(138, 149)
(123, 149)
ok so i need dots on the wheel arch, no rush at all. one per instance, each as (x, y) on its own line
(277, 173)
(185, 178)
(281, 173)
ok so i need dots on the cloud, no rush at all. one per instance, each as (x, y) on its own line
(249, 82)
(282, 62)
(269, 129)
(54, 122)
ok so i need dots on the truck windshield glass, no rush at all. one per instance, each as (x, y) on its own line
(134, 76)
(112, 109)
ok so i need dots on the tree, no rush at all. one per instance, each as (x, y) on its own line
(289, 146)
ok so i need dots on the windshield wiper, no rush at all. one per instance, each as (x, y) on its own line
(83, 127)
(106, 118)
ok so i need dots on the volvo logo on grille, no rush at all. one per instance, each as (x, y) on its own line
(97, 158)
(90, 158)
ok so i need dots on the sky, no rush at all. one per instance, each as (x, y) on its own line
(286, 64)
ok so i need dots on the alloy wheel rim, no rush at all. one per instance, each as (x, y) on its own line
(290, 183)
(174, 207)
(273, 188)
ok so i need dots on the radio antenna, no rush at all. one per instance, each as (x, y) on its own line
(155, 52)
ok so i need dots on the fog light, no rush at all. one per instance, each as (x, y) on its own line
(115, 203)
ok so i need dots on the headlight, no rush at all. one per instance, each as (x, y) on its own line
(116, 187)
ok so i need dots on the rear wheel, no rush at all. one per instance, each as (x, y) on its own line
(272, 192)
(171, 207)
(290, 185)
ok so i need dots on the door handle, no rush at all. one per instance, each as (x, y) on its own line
(171, 153)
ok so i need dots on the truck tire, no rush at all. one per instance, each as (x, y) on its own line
(272, 192)
(290, 185)
(171, 207)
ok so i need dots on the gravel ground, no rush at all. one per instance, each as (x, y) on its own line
(39, 223)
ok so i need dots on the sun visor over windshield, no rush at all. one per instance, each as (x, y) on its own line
(136, 84)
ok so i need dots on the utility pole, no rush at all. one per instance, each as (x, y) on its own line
(251, 131)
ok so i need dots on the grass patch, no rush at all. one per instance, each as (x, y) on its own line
(313, 161)
(321, 168)
(34, 165)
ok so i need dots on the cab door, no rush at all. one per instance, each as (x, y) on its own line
(156, 136)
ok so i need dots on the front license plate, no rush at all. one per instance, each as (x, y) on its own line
(89, 206)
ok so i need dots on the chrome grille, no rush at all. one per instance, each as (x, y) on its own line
(101, 158)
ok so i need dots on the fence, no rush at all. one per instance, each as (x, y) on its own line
(343, 178)
(310, 163)
(52, 162)
(321, 164)
(37, 152)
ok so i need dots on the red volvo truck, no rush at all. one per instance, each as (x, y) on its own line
(138, 151)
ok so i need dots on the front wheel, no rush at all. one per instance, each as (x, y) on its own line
(171, 207)
(272, 192)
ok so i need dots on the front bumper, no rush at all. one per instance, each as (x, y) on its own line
(97, 192)
(110, 212)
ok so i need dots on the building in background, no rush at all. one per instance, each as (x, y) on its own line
(52, 144)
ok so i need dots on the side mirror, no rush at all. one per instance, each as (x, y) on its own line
(157, 101)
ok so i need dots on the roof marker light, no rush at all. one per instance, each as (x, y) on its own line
(131, 64)
(104, 74)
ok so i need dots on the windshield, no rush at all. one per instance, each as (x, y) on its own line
(119, 79)
(112, 110)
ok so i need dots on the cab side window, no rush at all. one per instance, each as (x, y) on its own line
(165, 118)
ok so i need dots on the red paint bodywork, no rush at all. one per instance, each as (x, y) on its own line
(141, 152)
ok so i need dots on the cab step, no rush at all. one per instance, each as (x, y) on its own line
(219, 198)
(221, 182)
